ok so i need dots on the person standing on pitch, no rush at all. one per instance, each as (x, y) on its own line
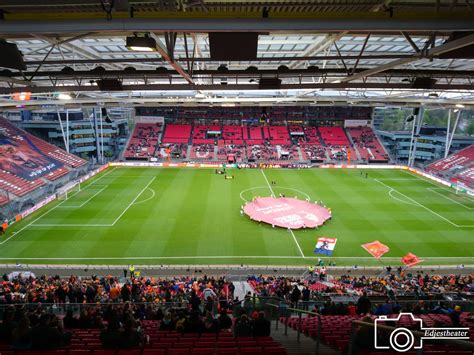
(131, 268)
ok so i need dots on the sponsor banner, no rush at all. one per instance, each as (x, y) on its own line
(355, 123)
(286, 212)
(325, 246)
(429, 176)
(376, 249)
(37, 206)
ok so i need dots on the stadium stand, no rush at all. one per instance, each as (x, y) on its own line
(334, 136)
(313, 152)
(45, 148)
(31, 146)
(457, 167)
(368, 144)
(143, 141)
(57, 174)
(177, 133)
(202, 151)
(16, 185)
(233, 134)
(3, 200)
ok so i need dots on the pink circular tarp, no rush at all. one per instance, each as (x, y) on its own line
(287, 212)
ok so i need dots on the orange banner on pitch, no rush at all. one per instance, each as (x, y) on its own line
(411, 260)
(376, 249)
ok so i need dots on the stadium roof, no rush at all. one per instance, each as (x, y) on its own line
(367, 52)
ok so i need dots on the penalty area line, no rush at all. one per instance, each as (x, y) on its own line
(421, 205)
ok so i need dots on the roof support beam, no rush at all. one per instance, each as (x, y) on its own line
(327, 42)
(235, 87)
(240, 22)
(169, 57)
(433, 52)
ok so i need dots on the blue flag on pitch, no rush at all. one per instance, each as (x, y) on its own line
(325, 246)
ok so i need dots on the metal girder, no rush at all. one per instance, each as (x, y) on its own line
(449, 46)
(291, 73)
(235, 87)
(66, 43)
(168, 57)
(243, 101)
(320, 46)
(238, 21)
(206, 60)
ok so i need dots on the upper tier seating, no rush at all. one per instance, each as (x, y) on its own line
(458, 167)
(45, 148)
(3, 200)
(334, 136)
(57, 174)
(16, 185)
(57, 153)
(143, 141)
(466, 176)
(367, 144)
(177, 133)
(233, 134)
(200, 134)
(311, 136)
(277, 135)
(464, 157)
(29, 151)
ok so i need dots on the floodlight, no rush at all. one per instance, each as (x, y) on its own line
(64, 96)
(141, 44)
(459, 105)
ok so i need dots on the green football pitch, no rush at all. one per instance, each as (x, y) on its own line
(192, 216)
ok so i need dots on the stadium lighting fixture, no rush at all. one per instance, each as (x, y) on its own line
(64, 96)
(459, 105)
(141, 44)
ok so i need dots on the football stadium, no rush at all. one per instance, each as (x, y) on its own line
(213, 177)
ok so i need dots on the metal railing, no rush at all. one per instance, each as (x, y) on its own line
(300, 313)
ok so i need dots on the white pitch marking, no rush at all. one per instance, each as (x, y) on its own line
(396, 198)
(279, 187)
(467, 197)
(149, 198)
(90, 198)
(50, 210)
(432, 189)
(292, 234)
(131, 203)
(269, 186)
(423, 206)
(297, 244)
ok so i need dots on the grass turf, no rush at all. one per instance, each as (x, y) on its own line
(191, 216)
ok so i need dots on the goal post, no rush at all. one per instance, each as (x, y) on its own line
(67, 191)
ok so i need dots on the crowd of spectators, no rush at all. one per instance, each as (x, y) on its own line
(53, 289)
(394, 285)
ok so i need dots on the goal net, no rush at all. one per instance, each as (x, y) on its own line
(68, 191)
